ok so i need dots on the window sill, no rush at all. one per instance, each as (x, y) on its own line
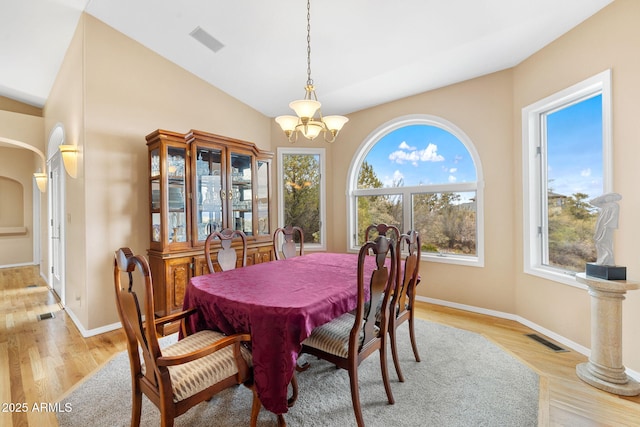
(445, 259)
(470, 261)
(555, 276)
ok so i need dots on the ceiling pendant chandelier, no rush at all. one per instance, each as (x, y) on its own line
(309, 121)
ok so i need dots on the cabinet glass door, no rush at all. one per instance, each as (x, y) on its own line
(177, 220)
(208, 192)
(156, 206)
(262, 198)
(241, 197)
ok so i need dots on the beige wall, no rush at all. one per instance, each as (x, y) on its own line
(482, 108)
(471, 106)
(488, 110)
(16, 171)
(610, 39)
(8, 104)
(65, 105)
(19, 165)
(111, 93)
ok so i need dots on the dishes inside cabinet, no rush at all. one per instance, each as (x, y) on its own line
(155, 199)
(176, 198)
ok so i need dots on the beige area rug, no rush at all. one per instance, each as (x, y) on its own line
(463, 380)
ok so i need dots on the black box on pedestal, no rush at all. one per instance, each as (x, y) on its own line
(607, 272)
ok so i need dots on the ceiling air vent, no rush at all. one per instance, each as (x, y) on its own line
(206, 39)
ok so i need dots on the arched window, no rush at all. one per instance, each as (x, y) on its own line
(420, 172)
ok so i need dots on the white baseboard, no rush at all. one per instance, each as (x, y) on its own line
(502, 315)
(556, 337)
(22, 264)
(86, 333)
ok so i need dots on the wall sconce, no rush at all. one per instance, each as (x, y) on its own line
(70, 159)
(41, 181)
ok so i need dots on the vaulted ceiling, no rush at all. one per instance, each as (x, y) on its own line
(363, 52)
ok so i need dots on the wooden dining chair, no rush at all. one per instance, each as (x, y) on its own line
(381, 230)
(180, 376)
(226, 256)
(288, 248)
(349, 339)
(392, 232)
(402, 302)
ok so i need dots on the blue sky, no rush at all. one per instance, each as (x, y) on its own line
(424, 155)
(574, 147)
(421, 155)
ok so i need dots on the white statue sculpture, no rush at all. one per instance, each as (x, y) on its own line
(606, 224)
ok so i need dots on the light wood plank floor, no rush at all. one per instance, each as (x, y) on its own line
(42, 360)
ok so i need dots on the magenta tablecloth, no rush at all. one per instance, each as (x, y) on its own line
(279, 303)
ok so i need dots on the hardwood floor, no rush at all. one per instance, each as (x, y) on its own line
(565, 400)
(42, 360)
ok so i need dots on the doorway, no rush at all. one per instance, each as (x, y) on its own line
(56, 214)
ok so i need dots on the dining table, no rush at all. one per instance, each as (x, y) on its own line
(279, 303)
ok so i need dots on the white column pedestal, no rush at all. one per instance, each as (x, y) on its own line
(604, 370)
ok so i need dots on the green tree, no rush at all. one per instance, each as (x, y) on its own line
(375, 209)
(302, 194)
(445, 223)
(578, 207)
(570, 231)
(367, 177)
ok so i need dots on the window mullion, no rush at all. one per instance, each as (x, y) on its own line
(438, 184)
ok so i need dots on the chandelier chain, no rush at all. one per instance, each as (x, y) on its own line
(309, 79)
(308, 120)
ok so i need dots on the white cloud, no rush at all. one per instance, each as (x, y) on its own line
(453, 170)
(431, 154)
(405, 146)
(585, 172)
(452, 178)
(413, 156)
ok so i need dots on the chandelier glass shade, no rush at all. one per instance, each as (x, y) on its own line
(308, 120)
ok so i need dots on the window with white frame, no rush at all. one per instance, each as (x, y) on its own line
(420, 172)
(301, 186)
(566, 163)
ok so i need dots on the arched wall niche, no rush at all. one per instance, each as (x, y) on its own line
(12, 214)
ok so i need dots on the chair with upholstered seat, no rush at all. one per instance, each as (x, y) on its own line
(179, 376)
(403, 299)
(288, 248)
(349, 339)
(226, 256)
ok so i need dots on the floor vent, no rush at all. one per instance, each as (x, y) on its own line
(547, 343)
(45, 316)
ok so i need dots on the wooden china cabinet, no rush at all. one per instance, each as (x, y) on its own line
(200, 182)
